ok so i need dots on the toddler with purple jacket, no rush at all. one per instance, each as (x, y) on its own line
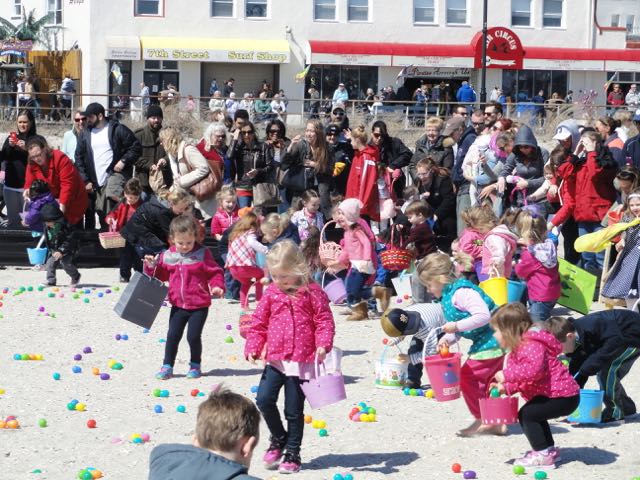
(39, 196)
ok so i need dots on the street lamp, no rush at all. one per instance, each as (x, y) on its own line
(483, 77)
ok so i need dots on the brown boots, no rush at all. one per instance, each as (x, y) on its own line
(359, 312)
(384, 295)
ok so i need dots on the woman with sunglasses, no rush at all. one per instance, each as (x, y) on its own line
(249, 161)
(275, 144)
(394, 155)
(70, 138)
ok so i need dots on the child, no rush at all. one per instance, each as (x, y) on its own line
(277, 227)
(118, 218)
(533, 370)
(358, 251)
(193, 278)
(605, 344)
(467, 310)
(39, 196)
(424, 322)
(467, 249)
(410, 194)
(499, 246)
(622, 281)
(422, 241)
(62, 243)
(241, 257)
(310, 250)
(538, 265)
(227, 213)
(227, 432)
(308, 214)
(545, 192)
(292, 328)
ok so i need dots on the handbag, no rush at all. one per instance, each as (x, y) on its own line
(265, 194)
(141, 300)
(209, 185)
(156, 181)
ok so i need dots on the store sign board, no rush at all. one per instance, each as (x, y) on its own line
(351, 59)
(451, 64)
(563, 64)
(504, 49)
(621, 66)
(15, 47)
(123, 53)
(205, 55)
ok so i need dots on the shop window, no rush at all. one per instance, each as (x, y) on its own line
(17, 9)
(148, 8)
(456, 12)
(424, 11)
(256, 8)
(522, 85)
(119, 84)
(615, 20)
(54, 9)
(324, 9)
(520, 13)
(325, 78)
(631, 20)
(222, 8)
(160, 65)
(358, 11)
(552, 13)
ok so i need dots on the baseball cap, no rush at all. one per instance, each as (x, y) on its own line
(636, 117)
(452, 125)
(562, 133)
(397, 322)
(341, 84)
(93, 109)
(332, 129)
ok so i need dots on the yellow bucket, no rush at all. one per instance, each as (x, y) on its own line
(497, 288)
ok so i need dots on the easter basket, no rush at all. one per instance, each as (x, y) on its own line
(329, 252)
(325, 389)
(111, 239)
(396, 258)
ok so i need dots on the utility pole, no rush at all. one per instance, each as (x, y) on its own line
(483, 77)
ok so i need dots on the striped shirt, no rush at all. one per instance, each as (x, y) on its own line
(431, 322)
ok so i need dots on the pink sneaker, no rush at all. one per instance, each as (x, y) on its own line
(273, 455)
(291, 463)
(555, 453)
(537, 460)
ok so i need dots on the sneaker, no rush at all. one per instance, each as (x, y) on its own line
(124, 280)
(47, 284)
(75, 281)
(613, 421)
(194, 371)
(165, 373)
(537, 460)
(555, 453)
(291, 463)
(273, 454)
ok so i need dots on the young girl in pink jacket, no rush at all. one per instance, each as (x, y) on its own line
(467, 249)
(538, 265)
(499, 246)
(292, 328)
(227, 213)
(193, 277)
(533, 370)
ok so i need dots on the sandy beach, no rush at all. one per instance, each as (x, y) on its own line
(414, 437)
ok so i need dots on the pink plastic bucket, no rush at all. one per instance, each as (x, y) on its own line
(499, 411)
(324, 389)
(335, 290)
(444, 376)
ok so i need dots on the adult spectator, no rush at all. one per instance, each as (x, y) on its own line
(340, 96)
(538, 109)
(625, 123)
(246, 104)
(568, 99)
(339, 116)
(216, 102)
(616, 96)
(67, 90)
(314, 103)
(70, 137)
(606, 128)
(145, 98)
(363, 176)
(466, 95)
(632, 99)
(431, 144)
(213, 86)
(444, 97)
(105, 156)
(393, 153)
(13, 165)
(308, 164)
(231, 105)
(152, 151)
(342, 152)
(228, 87)
(279, 108)
(262, 108)
(240, 119)
(276, 143)
(460, 111)
(492, 113)
(247, 155)
(64, 180)
(213, 147)
(595, 170)
(632, 146)
(524, 167)
(495, 94)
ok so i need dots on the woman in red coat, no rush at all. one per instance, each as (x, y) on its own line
(363, 176)
(55, 168)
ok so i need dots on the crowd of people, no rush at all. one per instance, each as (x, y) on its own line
(477, 197)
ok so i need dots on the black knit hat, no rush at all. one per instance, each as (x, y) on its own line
(50, 213)
(155, 111)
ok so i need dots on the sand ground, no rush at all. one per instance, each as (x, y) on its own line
(413, 437)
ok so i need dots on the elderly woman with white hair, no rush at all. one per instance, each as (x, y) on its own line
(213, 147)
(190, 170)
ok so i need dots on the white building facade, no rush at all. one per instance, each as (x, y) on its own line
(566, 44)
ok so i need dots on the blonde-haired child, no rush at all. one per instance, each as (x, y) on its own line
(533, 370)
(241, 258)
(277, 227)
(308, 214)
(499, 246)
(193, 277)
(467, 250)
(292, 328)
(467, 310)
(538, 265)
(227, 213)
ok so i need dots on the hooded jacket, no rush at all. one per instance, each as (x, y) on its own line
(223, 220)
(443, 156)
(533, 368)
(150, 152)
(149, 226)
(362, 183)
(123, 213)
(32, 216)
(13, 160)
(538, 267)
(497, 250)
(632, 150)
(175, 461)
(595, 192)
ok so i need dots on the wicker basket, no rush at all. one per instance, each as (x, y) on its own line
(396, 258)
(329, 252)
(111, 240)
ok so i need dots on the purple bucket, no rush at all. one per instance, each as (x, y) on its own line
(335, 290)
(324, 389)
(478, 268)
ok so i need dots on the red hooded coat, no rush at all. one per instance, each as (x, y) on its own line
(362, 182)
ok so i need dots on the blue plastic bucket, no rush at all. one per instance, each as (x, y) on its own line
(37, 256)
(515, 290)
(590, 407)
(261, 259)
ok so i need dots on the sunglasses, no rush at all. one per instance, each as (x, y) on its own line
(79, 119)
(375, 135)
(486, 114)
(274, 131)
(331, 134)
(339, 114)
(477, 124)
(246, 132)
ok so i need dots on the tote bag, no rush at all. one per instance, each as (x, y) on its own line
(578, 287)
(265, 193)
(141, 300)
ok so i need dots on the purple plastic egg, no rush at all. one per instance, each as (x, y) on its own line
(87, 350)
(469, 474)
(118, 337)
(41, 309)
(104, 376)
(77, 357)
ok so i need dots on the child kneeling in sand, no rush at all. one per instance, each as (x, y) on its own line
(227, 432)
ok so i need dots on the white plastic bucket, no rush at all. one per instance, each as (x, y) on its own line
(390, 374)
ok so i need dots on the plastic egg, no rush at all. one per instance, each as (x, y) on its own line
(146, 437)
(42, 423)
(158, 409)
(181, 409)
(469, 474)
(156, 392)
(540, 475)
(323, 433)
(111, 363)
(81, 407)
(91, 423)
(77, 357)
(308, 419)
(105, 376)
(76, 369)
(87, 350)
(164, 393)
(518, 470)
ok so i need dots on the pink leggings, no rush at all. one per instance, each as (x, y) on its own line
(244, 275)
(475, 377)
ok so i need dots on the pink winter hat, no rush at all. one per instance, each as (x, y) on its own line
(350, 208)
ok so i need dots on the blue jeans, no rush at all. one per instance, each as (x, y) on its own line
(271, 383)
(231, 285)
(591, 262)
(244, 201)
(540, 311)
(355, 285)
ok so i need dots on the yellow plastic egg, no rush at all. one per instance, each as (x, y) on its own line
(81, 407)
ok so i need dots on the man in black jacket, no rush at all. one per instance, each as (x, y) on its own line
(152, 151)
(606, 344)
(105, 155)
